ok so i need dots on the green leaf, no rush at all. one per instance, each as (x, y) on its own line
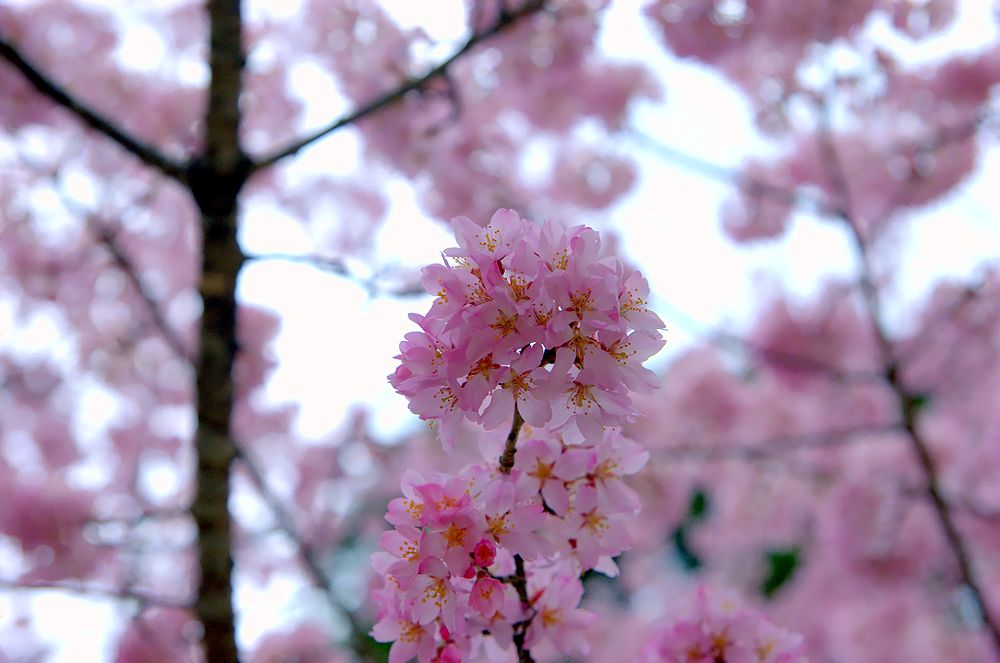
(698, 508)
(688, 559)
(781, 565)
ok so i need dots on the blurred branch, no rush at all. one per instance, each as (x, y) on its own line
(724, 339)
(142, 516)
(340, 268)
(93, 591)
(504, 20)
(108, 238)
(123, 261)
(961, 503)
(800, 198)
(781, 444)
(970, 293)
(792, 361)
(360, 640)
(909, 403)
(796, 198)
(148, 154)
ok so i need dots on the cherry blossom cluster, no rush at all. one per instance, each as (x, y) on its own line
(719, 629)
(479, 558)
(533, 318)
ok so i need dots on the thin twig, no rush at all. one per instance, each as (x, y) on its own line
(794, 361)
(340, 268)
(124, 263)
(95, 591)
(793, 197)
(504, 20)
(780, 445)
(146, 153)
(308, 558)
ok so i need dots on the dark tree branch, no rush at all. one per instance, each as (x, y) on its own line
(215, 179)
(910, 405)
(510, 448)
(519, 580)
(148, 154)
(505, 20)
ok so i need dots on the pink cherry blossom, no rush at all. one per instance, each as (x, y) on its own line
(719, 629)
(513, 298)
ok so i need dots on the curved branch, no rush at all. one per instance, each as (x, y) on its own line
(505, 20)
(148, 154)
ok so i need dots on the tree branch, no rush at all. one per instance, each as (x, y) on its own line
(795, 198)
(124, 263)
(340, 268)
(215, 180)
(361, 641)
(510, 448)
(148, 154)
(727, 340)
(505, 20)
(107, 238)
(780, 445)
(519, 581)
(909, 403)
(93, 591)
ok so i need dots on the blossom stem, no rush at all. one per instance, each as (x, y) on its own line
(520, 582)
(507, 459)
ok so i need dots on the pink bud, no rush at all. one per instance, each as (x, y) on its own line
(484, 553)
(449, 654)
